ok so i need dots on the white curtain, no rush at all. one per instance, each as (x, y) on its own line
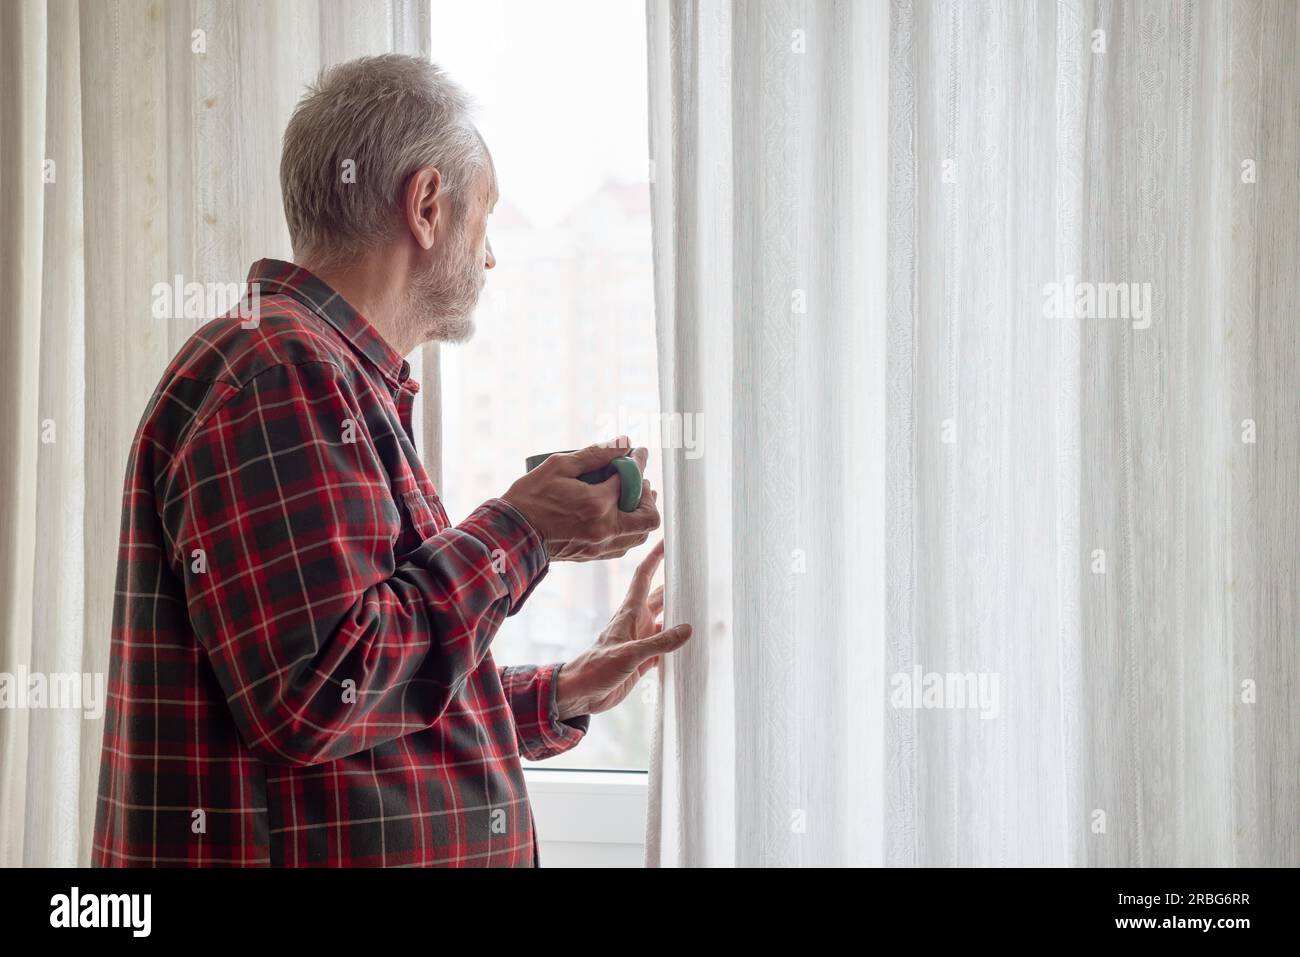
(141, 141)
(914, 477)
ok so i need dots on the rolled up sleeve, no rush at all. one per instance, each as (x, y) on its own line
(516, 550)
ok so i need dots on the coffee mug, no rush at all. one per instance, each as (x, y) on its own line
(629, 477)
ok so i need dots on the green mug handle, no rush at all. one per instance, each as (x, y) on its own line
(629, 477)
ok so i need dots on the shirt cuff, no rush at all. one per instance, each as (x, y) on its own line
(532, 695)
(517, 551)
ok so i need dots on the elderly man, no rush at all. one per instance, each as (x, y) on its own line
(301, 666)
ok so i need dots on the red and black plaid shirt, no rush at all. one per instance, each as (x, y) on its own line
(300, 670)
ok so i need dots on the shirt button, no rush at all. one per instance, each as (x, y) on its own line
(404, 372)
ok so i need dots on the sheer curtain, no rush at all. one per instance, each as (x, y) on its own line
(979, 578)
(141, 142)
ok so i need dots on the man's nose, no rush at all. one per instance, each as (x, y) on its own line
(491, 259)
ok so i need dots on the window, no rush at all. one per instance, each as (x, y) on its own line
(564, 351)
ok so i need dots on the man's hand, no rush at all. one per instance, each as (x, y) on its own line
(581, 522)
(630, 645)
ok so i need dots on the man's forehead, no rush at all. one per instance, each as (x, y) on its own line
(490, 172)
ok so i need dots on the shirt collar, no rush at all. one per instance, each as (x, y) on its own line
(275, 276)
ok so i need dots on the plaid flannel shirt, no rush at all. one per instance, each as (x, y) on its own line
(300, 669)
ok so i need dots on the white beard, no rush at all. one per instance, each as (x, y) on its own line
(441, 303)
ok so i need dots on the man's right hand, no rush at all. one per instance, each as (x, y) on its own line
(581, 522)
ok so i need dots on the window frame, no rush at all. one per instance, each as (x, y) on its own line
(589, 818)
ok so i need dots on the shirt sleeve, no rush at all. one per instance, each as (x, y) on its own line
(281, 520)
(531, 692)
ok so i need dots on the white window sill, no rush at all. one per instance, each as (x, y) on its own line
(589, 818)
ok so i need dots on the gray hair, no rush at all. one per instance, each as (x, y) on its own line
(388, 115)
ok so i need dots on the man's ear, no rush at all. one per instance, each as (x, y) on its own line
(420, 205)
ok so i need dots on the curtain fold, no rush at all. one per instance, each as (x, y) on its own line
(161, 127)
(769, 243)
(992, 552)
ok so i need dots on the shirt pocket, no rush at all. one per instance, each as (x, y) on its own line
(435, 503)
(423, 515)
(419, 514)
